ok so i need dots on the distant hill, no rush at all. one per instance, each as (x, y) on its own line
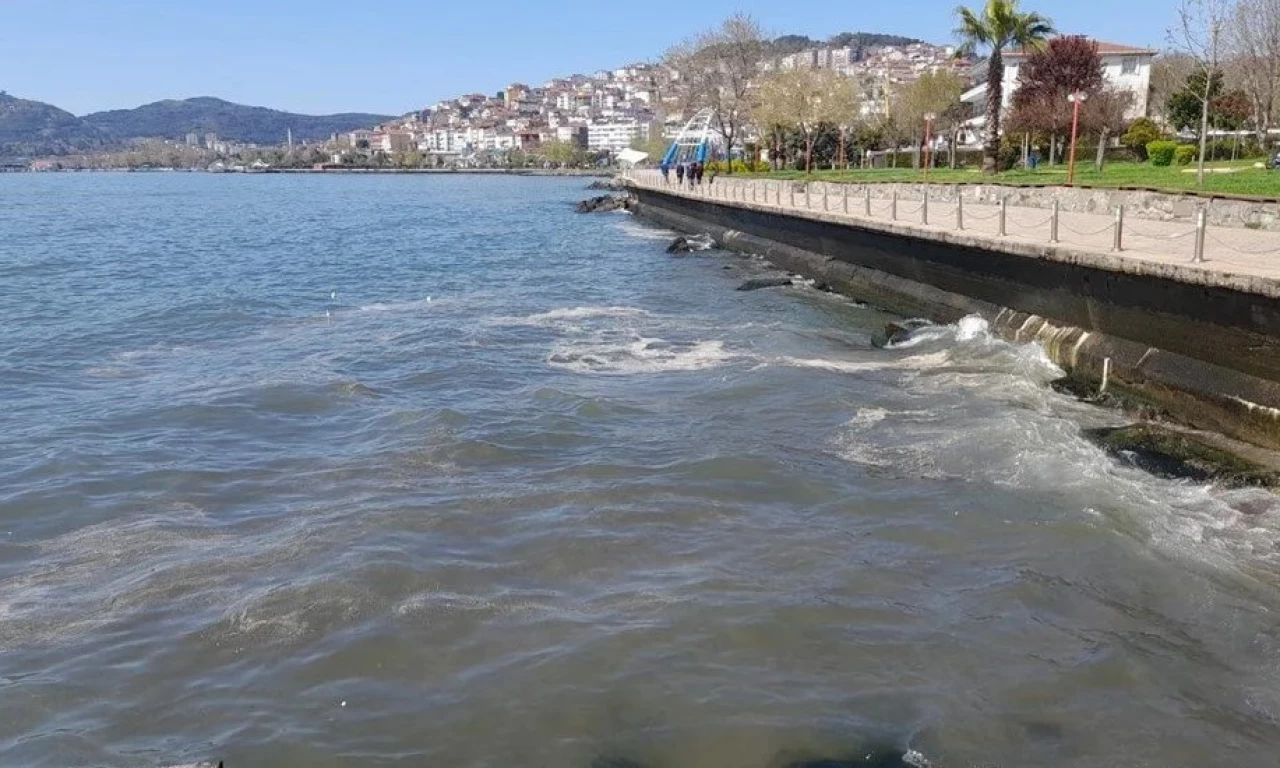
(174, 119)
(789, 44)
(29, 128)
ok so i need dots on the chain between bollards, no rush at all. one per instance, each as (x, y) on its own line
(1201, 224)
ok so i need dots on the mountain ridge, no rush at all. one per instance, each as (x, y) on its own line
(34, 128)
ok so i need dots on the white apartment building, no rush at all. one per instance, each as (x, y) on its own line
(1124, 68)
(615, 136)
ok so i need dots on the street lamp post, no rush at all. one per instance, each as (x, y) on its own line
(929, 117)
(1076, 98)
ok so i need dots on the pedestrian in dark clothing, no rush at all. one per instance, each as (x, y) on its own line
(702, 168)
(680, 174)
(666, 173)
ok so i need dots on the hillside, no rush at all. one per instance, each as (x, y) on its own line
(174, 119)
(788, 44)
(29, 128)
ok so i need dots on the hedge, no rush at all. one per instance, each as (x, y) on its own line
(1161, 152)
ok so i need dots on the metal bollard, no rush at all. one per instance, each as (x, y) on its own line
(777, 189)
(793, 195)
(866, 202)
(924, 208)
(825, 190)
(893, 207)
(845, 202)
(1004, 212)
(1201, 223)
(1117, 241)
(1053, 223)
(807, 199)
(959, 211)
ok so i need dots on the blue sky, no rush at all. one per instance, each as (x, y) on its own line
(391, 56)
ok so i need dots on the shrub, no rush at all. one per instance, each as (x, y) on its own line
(1184, 154)
(1161, 152)
(1140, 133)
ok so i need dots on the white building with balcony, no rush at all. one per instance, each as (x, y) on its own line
(1124, 68)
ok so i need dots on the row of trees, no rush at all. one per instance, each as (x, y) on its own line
(720, 69)
(1223, 73)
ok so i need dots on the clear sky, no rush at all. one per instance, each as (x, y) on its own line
(392, 56)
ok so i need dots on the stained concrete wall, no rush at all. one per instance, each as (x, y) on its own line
(1208, 355)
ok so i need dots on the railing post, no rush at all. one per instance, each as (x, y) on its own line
(893, 206)
(866, 202)
(924, 207)
(844, 203)
(777, 190)
(1117, 241)
(1201, 223)
(959, 210)
(1053, 223)
(1004, 213)
(807, 199)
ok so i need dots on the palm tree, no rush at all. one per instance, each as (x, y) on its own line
(997, 26)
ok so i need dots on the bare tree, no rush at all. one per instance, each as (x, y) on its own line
(716, 70)
(1254, 38)
(1168, 75)
(1105, 112)
(1200, 33)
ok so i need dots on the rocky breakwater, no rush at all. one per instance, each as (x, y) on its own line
(605, 203)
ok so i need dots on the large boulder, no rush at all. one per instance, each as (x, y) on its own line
(756, 283)
(691, 244)
(604, 203)
(606, 185)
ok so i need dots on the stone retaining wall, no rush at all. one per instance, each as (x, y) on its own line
(1160, 206)
(1207, 355)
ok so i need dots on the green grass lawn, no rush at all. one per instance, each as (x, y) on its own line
(1232, 178)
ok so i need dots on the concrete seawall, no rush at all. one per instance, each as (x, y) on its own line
(1203, 348)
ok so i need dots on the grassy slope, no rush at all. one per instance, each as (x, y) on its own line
(1243, 180)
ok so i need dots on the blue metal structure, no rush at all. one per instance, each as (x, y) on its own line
(694, 144)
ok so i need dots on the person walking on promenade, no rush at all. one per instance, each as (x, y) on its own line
(679, 174)
(702, 168)
(666, 173)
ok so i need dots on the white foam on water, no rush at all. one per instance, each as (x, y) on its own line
(632, 228)
(1030, 437)
(413, 305)
(912, 363)
(637, 355)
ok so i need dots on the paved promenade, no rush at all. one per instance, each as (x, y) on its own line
(1238, 258)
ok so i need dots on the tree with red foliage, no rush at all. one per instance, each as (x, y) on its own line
(1065, 65)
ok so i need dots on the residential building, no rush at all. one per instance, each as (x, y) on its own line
(615, 136)
(1124, 68)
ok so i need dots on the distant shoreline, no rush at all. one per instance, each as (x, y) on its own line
(584, 173)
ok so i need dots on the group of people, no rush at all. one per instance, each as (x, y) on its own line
(691, 172)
